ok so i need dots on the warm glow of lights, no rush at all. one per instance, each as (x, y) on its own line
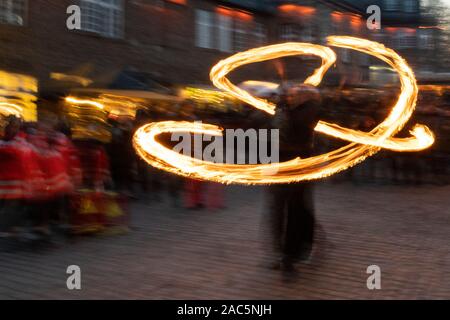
(355, 21)
(439, 89)
(337, 16)
(244, 16)
(362, 144)
(205, 95)
(239, 14)
(7, 109)
(225, 11)
(391, 29)
(17, 95)
(264, 84)
(114, 105)
(87, 102)
(180, 2)
(68, 77)
(432, 27)
(380, 68)
(17, 82)
(395, 29)
(296, 9)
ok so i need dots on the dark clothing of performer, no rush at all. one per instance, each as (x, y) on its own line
(292, 206)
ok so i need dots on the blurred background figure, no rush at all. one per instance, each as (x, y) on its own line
(14, 187)
(194, 194)
(121, 156)
(149, 179)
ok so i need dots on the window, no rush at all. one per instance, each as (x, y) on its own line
(259, 34)
(379, 36)
(240, 35)
(410, 6)
(13, 12)
(426, 39)
(391, 5)
(104, 17)
(294, 32)
(290, 32)
(225, 33)
(204, 29)
(405, 39)
(307, 34)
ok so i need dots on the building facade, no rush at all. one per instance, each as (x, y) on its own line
(177, 41)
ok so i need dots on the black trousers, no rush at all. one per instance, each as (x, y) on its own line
(292, 219)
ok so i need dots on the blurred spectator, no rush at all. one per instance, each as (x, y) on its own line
(94, 164)
(121, 155)
(150, 179)
(14, 175)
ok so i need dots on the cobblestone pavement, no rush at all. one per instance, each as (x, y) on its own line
(181, 254)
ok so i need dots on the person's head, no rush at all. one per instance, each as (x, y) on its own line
(300, 94)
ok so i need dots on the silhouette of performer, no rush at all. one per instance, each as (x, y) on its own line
(291, 205)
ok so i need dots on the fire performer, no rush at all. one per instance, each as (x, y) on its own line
(292, 208)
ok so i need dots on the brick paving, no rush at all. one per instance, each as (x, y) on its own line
(173, 253)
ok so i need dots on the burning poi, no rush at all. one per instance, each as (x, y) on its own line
(362, 144)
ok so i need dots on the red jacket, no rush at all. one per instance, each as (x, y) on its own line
(70, 157)
(54, 167)
(20, 174)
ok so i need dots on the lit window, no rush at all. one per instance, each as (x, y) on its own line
(104, 17)
(224, 32)
(410, 6)
(391, 5)
(13, 12)
(204, 22)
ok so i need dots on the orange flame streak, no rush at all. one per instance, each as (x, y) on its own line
(220, 70)
(362, 144)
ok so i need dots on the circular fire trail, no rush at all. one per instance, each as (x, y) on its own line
(361, 146)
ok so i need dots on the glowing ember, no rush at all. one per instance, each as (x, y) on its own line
(363, 144)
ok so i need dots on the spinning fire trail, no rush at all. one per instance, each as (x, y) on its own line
(361, 146)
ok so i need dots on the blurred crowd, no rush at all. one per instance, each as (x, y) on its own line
(51, 181)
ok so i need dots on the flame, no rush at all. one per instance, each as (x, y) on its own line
(220, 70)
(362, 144)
